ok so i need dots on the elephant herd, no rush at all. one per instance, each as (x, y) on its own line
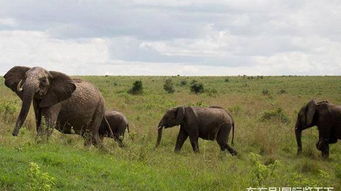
(77, 106)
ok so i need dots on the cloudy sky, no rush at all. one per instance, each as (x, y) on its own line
(169, 37)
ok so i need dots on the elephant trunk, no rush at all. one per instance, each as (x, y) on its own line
(28, 94)
(159, 135)
(298, 133)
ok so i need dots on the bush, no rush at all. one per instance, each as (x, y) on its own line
(261, 172)
(39, 181)
(226, 80)
(168, 86)
(183, 82)
(8, 110)
(276, 114)
(197, 87)
(137, 88)
(265, 92)
(282, 91)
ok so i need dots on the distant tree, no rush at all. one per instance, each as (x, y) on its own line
(137, 88)
(183, 82)
(197, 87)
(168, 86)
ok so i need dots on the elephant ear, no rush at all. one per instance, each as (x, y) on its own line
(61, 88)
(191, 116)
(310, 112)
(180, 114)
(14, 76)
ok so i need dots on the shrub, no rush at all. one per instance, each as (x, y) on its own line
(261, 172)
(226, 80)
(276, 114)
(38, 181)
(265, 92)
(183, 82)
(8, 109)
(282, 91)
(197, 87)
(168, 86)
(137, 88)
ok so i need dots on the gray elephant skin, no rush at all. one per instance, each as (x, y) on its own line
(208, 123)
(118, 125)
(327, 118)
(65, 103)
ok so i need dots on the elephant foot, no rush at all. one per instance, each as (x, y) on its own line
(177, 150)
(325, 155)
(15, 132)
(233, 152)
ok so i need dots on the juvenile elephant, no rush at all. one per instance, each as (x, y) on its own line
(118, 125)
(65, 103)
(327, 118)
(209, 123)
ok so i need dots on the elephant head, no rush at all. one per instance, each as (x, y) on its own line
(46, 88)
(171, 118)
(305, 119)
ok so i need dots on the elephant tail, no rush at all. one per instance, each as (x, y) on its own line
(108, 126)
(233, 125)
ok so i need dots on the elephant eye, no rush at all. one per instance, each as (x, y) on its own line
(43, 81)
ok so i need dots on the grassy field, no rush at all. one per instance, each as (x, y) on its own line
(264, 110)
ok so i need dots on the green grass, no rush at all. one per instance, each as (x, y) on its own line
(264, 139)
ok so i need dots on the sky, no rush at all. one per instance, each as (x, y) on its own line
(172, 37)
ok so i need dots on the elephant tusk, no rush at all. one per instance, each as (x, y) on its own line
(160, 127)
(19, 86)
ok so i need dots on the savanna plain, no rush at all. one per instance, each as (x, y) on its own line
(264, 110)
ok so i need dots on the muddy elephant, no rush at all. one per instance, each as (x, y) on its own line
(65, 103)
(118, 125)
(327, 118)
(208, 123)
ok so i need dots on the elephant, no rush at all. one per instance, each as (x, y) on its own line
(118, 125)
(327, 118)
(208, 123)
(65, 103)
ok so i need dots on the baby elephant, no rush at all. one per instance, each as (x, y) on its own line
(209, 123)
(118, 125)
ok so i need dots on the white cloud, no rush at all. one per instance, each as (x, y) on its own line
(8, 22)
(34, 48)
(191, 37)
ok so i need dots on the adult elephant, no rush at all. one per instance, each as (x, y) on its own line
(64, 103)
(208, 123)
(327, 118)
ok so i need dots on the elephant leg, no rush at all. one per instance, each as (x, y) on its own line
(194, 143)
(222, 138)
(51, 116)
(88, 140)
(38, 117)
(102, 138)
(93, 127)
(323, 146)
(182, 137)
(325, 151)
(119, 140)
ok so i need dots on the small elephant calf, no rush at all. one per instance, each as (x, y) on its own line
(209, 123)
(118, 125)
